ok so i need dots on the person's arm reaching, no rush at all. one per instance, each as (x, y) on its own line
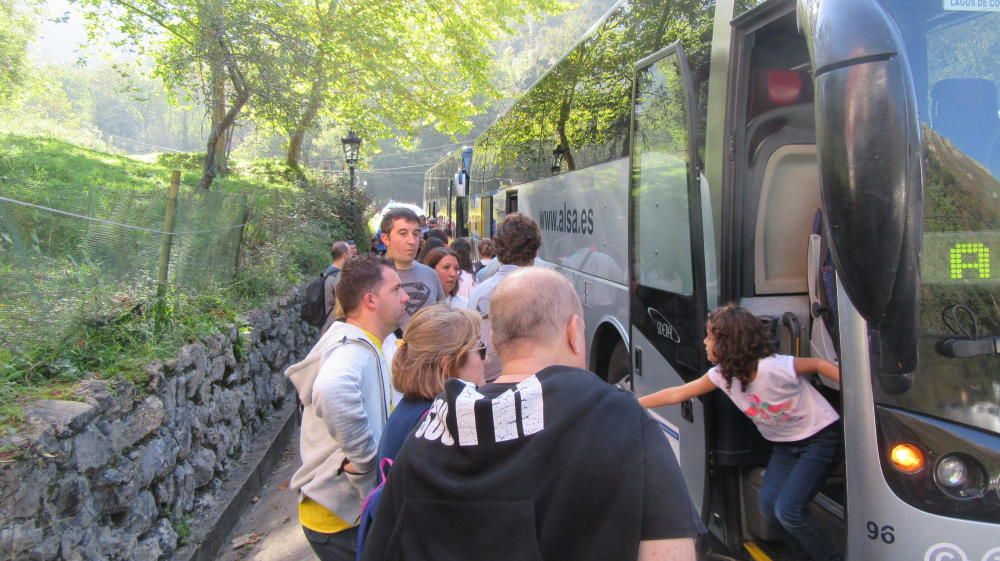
(825, 368)
(680, 549)
(677, 394)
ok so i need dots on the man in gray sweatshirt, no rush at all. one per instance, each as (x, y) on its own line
(401, 235)
(346, 392)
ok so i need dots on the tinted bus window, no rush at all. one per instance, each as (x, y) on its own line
(956, 71)
(583, 104)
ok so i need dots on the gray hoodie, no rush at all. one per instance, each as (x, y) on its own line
(345, 388)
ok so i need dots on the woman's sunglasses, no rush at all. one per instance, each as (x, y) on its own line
(481, 348)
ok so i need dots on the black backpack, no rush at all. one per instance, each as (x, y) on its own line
(313, 309)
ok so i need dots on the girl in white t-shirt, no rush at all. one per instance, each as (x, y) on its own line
(771, 389)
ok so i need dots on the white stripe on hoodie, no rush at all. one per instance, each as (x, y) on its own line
(345, 387)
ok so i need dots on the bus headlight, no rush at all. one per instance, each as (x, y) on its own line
(939, 466)
(951, 472)
(961, 476)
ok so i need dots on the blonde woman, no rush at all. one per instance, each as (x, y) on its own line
(439, 343)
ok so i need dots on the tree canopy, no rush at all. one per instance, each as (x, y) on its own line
(381, 68)
(16, 28)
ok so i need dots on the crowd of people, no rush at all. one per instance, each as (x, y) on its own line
(447, 414)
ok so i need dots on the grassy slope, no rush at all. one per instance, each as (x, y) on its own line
(50, 165)
(55, 163)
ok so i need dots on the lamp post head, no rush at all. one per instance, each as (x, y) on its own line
(352, 146)
(557, 158)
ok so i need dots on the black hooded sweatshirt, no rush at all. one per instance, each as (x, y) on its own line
(560, 466)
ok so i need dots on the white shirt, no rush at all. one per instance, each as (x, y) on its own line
(480, 302)
(784, 406)
(466, 282)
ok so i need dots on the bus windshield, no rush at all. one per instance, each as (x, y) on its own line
(953, 47)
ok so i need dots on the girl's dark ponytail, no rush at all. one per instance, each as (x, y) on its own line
(741, 340)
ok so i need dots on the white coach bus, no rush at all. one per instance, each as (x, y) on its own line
(445, 188)
(676, 159)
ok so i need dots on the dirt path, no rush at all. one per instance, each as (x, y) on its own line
(269, 530)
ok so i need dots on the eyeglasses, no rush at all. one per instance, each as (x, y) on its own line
(481, 349)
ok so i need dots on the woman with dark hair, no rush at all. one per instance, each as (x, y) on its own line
(439, 234)
(426, 247)
(444, 261)
(467, 279)
(775, 392)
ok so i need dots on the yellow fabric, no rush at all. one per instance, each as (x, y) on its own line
(371, 337)
(318, 518)
(378, 345)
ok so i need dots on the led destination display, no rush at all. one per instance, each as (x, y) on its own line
(961, 257)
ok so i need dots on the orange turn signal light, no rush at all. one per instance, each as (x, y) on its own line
(907, 458)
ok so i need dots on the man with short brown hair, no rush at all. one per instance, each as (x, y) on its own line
(546, 463)
(517, 241)
(487, 255)
(340, 251)
(401, 234)
(346, 393)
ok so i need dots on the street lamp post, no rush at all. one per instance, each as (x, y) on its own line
(557, 158)
(352, 146)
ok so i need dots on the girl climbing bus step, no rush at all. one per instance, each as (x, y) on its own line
(771, 389)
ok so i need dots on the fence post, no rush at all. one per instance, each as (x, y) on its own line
(276, 195)
(168, 231)
(244, 218)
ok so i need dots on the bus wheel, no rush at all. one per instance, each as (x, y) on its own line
(619, 365)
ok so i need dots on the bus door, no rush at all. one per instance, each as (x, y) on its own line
(667, 289)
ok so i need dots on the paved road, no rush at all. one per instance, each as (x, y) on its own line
(269, 530)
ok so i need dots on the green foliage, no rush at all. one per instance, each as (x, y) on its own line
(102, 106)
(183, 528)
(187, 161)
(16, 30)
(98, 296)
(60, 164)
(382, 73)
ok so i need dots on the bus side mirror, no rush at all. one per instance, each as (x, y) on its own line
(868, 140)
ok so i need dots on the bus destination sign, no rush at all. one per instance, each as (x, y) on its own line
(972, 5)
(961, 257)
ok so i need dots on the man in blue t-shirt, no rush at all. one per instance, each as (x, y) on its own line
(401, 234)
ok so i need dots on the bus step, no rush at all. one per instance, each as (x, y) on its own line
(769, 551)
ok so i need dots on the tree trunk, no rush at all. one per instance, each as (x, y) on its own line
(217, 135)
(316, 91)
(218, 108)
(295, 146)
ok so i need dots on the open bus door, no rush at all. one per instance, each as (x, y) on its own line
(667, 289)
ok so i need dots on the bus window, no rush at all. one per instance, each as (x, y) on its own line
(952, 54)
(511, 204)
(660, 189)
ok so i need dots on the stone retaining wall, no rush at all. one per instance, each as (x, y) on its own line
(119, 474)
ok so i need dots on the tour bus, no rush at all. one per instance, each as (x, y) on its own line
(831, 165)
(445, 186)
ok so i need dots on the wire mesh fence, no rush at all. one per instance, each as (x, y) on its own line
(72, 254)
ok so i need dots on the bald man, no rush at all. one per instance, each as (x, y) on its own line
(546, 462)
